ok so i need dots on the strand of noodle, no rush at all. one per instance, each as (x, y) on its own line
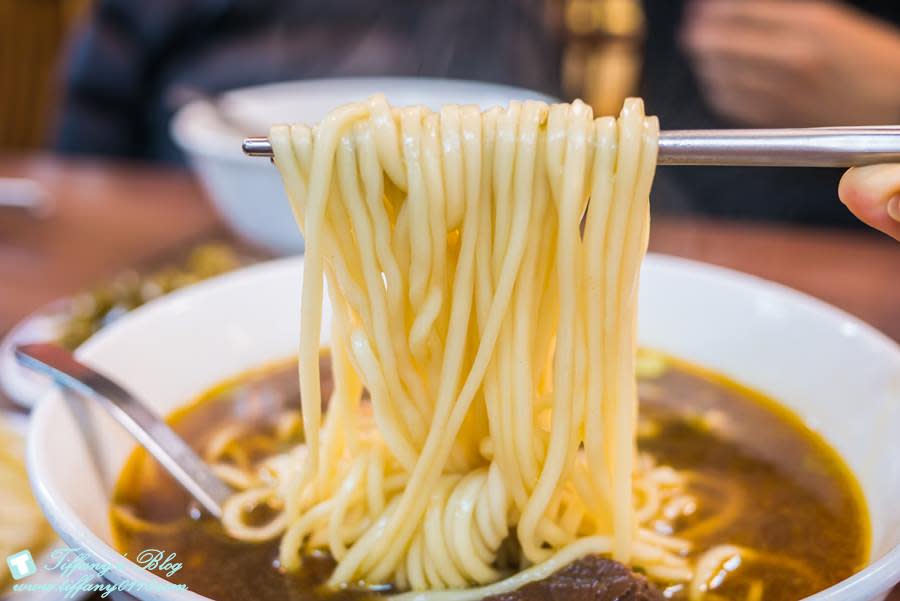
(715, 564)
(505, 151)
(233, 476)
(490, 509)
(388, 140)
(517, 138)
(219, 442)
(620, 425)
(297, 532)
(455, 346)
(232, 516)
(286, 142)
(342, 253)
(401, 250)
(730, 498)
(343, 403)
(379, 336)
(709, 566)
(466, 545)
(526, 334)
(664, 573)
(451, 161)
(438, 443)
(605, 131)
(415, 569)
(417, 202)
(375, 483)
(434, 184)
(349, 488)
(563, 385)
(651, 501)
(400, 447)
(311, 292)
(394, 281)
(529, 179)
(626, 418)
(287, 425)
(435, 543)
(484, 290)
(125, 516)
(679, 546)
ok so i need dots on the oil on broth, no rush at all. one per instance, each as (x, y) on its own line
(778, 488)
(775, 486)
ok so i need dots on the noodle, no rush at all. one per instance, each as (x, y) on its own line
(490, 314)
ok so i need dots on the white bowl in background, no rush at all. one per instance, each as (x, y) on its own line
(247, 191)
(838, 374)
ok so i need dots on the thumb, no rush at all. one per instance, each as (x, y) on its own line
(873, 195)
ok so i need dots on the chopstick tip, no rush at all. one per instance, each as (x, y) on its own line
(257, 147)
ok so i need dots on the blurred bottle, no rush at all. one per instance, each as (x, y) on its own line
(31, 35)
(602, 60)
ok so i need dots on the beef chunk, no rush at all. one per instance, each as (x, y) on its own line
(591, 578)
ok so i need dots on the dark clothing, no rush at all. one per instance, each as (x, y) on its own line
(134, 58)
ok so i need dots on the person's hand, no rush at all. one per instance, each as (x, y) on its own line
(793, 63)
(873, 195)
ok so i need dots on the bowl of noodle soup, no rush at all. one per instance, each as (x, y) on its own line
(174, 349)
(481, 423)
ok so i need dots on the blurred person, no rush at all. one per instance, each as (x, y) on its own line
(706, 64)
(135, 63)
(873, 194)
(768, 63)
(794, 63)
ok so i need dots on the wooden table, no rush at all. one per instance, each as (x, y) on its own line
(111, 216)
(108, 216)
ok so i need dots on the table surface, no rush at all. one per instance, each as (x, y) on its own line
(112, 215)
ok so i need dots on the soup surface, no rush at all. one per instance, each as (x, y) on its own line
(759, 479)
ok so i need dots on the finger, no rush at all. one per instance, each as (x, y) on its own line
(873, 195)
(773, 16)
(746, 106)
(703, 39)
(783, 59)
(745, 73)
(752, 94)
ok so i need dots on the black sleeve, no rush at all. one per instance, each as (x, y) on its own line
(109, 74)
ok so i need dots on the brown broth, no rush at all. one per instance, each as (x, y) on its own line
(800, 507)
(796, 498)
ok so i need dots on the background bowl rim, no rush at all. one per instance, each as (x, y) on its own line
(189, 137)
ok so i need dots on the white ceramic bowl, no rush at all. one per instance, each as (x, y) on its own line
(247, 191)
(839, 374)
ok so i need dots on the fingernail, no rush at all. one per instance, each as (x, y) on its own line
(893, 207)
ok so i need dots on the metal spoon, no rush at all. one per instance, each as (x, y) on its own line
(169, 449)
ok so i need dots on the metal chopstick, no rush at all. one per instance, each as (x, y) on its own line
(810, 147)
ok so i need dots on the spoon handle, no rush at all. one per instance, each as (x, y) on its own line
(169, 449)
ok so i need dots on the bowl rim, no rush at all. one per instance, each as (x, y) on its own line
(183, 132)
(876, 577)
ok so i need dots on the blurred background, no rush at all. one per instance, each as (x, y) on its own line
(106, 77)
(122, 178)
(120, 125)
